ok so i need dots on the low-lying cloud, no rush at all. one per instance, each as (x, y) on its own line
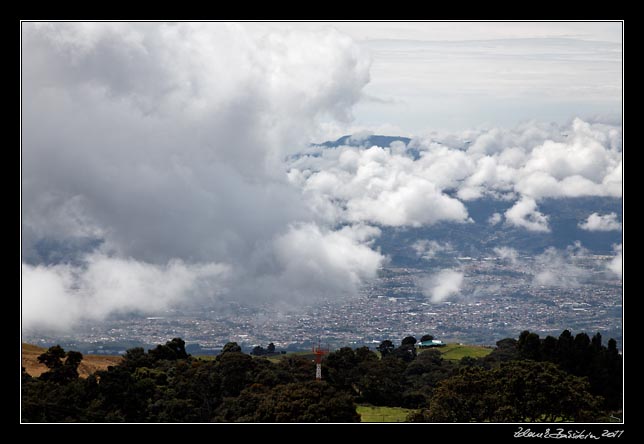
(524, 214)
(321, 262)
(605, 222)
(442, 285)
(556, 268)
(377, 185)
(393, 186)
(57, 297)
(506, 253)
(616, 265)
(429, 249)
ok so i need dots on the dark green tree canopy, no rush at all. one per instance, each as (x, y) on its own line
(231, 347)
(386, 348)
(409, 340)
(570, 378)
(53, 357)
(258, 350)
(60, 372)
(520, 391)
(171, 351)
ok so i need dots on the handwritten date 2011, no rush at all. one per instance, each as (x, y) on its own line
(566, 434)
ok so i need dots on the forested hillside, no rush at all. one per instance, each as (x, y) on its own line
(569, 378)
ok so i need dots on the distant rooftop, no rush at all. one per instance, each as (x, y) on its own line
(432, 343)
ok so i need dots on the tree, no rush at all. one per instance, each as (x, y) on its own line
(363, 354)
(242, 408)
(506, 350)
(468, 361)
(123, 396)
(295, 369)
(529, 345)
(192, 394)
(311, 401)
(596, 342)
(236, 370)
(518, 391)
(59, 371)
(466, 397)
(406, 352)
(409, 340)
(231, 347)
(386, 348)
(382, 381)
(422, 376)
(549, 349)
(72, 362)
(612, 346)
(565, 350)
(581, 356)
(258, 350)
(271, 348)
(341, 369)
(426, 338)
(171, 351)
(53, 357)
(136, 357)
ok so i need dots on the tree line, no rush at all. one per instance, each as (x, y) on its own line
(530, 379)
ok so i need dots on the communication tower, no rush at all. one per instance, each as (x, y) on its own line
(319, 352)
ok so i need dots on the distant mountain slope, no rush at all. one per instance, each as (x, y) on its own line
(89, 364)
(367, 141)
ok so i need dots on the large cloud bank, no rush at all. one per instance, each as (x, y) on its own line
(165, 142)
(391, 186)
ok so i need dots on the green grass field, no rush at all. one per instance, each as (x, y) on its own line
(370, 413)
(455, 352)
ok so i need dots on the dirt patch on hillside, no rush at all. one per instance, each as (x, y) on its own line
(89, 364)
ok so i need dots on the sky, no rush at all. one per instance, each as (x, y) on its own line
(453, 76)
(158, 168)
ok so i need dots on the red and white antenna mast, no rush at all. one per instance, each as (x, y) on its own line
(319, 352)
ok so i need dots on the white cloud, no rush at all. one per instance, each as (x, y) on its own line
(616, 264)
(584, 164)
(524, 214)
(507, 253)
(597, 222)
(386, 186)
(495, 219)
(322, 263)
(442, 285)
(165, 142)
(555, 268)
(46, 303)
(378, 185)
(416, 202)
(59, 296)
(428, 249)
